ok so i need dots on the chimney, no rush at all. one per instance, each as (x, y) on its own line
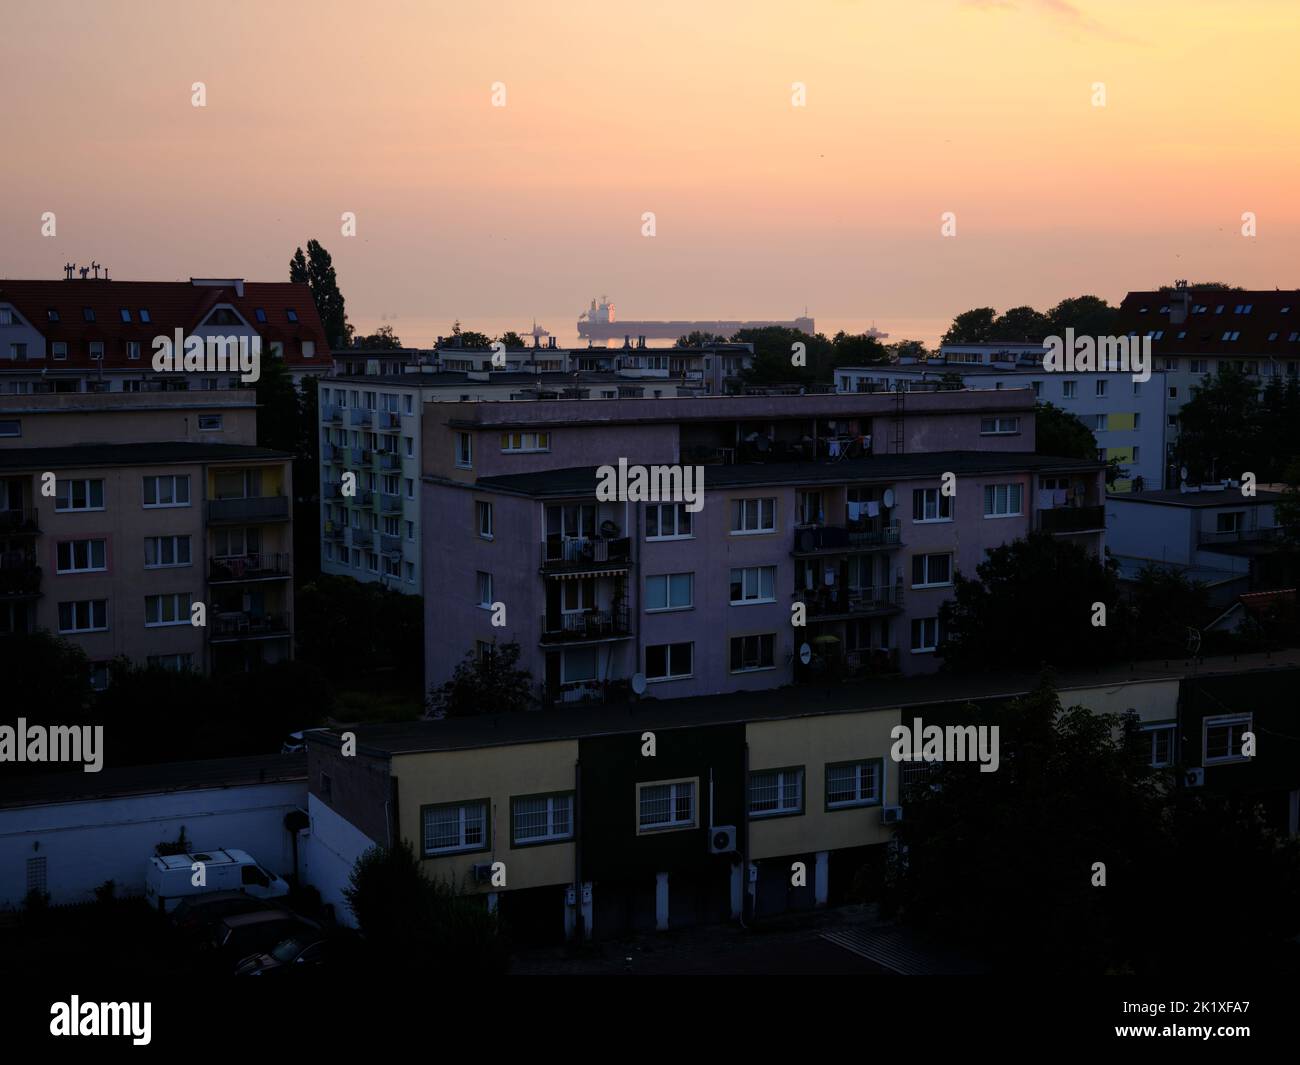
(627, 340)
(1181, 304)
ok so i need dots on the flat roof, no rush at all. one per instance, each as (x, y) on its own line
(582, 479)
(555, 380)
(1172, 497)
(542, 726)
(42, 789)
(183, 452)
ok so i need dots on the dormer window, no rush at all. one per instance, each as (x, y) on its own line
(261, 314)
(144, 315)
(52, 315)
(292, 314)
(126, 314)
(88, 313)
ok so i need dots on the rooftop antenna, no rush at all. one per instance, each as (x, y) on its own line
(95, 266)
(67, 269)
(84, 271)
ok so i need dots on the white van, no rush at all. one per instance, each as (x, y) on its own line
(171, 878)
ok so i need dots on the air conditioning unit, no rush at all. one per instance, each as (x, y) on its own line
(482, 872)
(1194, 778)
(722, 839)
(891, 815)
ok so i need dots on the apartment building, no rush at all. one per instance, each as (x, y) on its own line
(97, 335)
(1196, 331)
(562, 824)
(834, 503)
(119, 514)
(1126, 417)
(370, 426)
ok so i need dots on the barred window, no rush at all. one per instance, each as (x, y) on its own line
(455, 827)
(776, 791)
(670, 804)
(852, 784)
(542, 818)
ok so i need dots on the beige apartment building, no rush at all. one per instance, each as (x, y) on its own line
(121, 513)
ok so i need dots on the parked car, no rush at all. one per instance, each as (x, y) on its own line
(297, 951)
(237, 937)
(293, 744)
(170, 878)
(194, 916)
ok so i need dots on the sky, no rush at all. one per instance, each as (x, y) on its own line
(499, 215)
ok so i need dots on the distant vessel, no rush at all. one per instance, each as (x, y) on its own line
(598, 323)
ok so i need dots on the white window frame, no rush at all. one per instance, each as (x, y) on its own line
(157, 479)
(759, 636)
(862, 769)
(1239, 723)
(483, 508)
(925, 564)
(553, 803)
(90, 567)
(90, 603)
(530, 442)
(678, 510)
(668, 662)
(745, 574)
(995, 513)
(739, 515)
(785, 777)
(464, 451)
(70, 509)
(669, 606)
(925, 648)
(939, 501)
(1154, 730)
(181, 616)
(688, 786)
(462, 824)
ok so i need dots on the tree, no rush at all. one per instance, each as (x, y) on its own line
(316, 270)
(907, 349)
(1032, 602)
(1164, 605)
(1061, 434)
(489, 683)
(700, 339)
(512, 340)
(1086, 315)
(774, 346)
(856, 349)
(1020, 323)
(349, 630)
(469, 338)
(971, 327)
(1287, 511)
(1219, 427)
(382, 339)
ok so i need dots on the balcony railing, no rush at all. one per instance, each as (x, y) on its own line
(1071, 519)
(254, 567)
(364, 497)
(564, 553)
(362, 538)
(589, 625)
(246, 625)
(388, 419)
(389, 460)
(1264, 535)
(390, 545)
(390, 504)
(19, 520)
(331, 413)
(20, 576)
(361, 417)
(254, 509)
(812, 539)
(334, 531)
(836, 602)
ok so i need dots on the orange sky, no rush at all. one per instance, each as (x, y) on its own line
(682, 108)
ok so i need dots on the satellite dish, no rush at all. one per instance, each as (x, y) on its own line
(1182, 474)
(638, 683)
(805, 653)
(888, 497)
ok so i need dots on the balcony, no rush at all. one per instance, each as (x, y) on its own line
(388, 419)
(590, 625)
(390, 545)
(231, 626)
(256, 567)
(248, 509)
(334, 531)
(19, 521)
(20, 576)
(362, 417)
(584, 691)
(330, 413)
(1064, 520)
(363, 538)
(825, 604)
(845, 539)
(390, 504)
(363, 498)
(389, 460)
(334, 490)
(331, 453)
(1267, 534)
(564, 555)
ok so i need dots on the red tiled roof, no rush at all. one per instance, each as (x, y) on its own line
(1265, 331)
(171, 305)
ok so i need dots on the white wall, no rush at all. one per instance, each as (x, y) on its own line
(330, 848)
(86, 843)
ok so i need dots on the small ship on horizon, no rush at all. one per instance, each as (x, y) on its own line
(599, 323)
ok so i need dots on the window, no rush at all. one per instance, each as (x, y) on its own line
(1100, 422)
(484, 584)
(172, 490)
(96, 349)
(79, 495)
(81, 556)
(1221, 738)
(811, 511)
(60, 350)
(999, 426)
(1137, 418)
(409, 484)
(52, 314)
(88, 314)
(753, 515)
(755, 584)
(1173, 393)
(408, 444)
(18, 351)
(930, 571)
(925, 635)
(308, 349)
(1002, 500)
(773, 792)
(144, 316)
(260, 314)
(484, 511)
(172, 609)
(408, 403)
(851, 784)
(667, 521)
(525, 441)
(454, 827)
(669, 591)
(1069, 389)
(1136, 453)
(1162, 744)
(668, 661)
(291, 314)
(665, 805)
(1101, 387)
(162, 551)
(11, 427)
(541, 818)
(1171, 364)
(752, 652)
(133, 349)
(1230, 522)
(178, 663)
(84, 615)
(930, 504)
(210, 422)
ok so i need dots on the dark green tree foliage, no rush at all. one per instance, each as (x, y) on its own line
(1219, 428)
(512, 340)
(382, 339)
(774, 348)
(908, 349)
(298, 268)
(1001, 864)
(316, 270)
(408, 919)
(1021, 324)
(1288, 507)
(485, 684)
(856, 349)
(1060, 433)
(971, 327)
(469, 338)
(1030, 604)
(1164, 605)
(348, 629)
(1086, 315)
(699, 339)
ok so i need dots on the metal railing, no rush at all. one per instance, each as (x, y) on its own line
(254, 508)
(849, 537)
(1071, 519)
(251, 567)
(246, 625)
(594, 550)
(19, 520)
(827, 602)
(361, 417)
(1263, 535)
(589, 625)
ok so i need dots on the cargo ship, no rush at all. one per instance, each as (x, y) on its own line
(599, 323)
